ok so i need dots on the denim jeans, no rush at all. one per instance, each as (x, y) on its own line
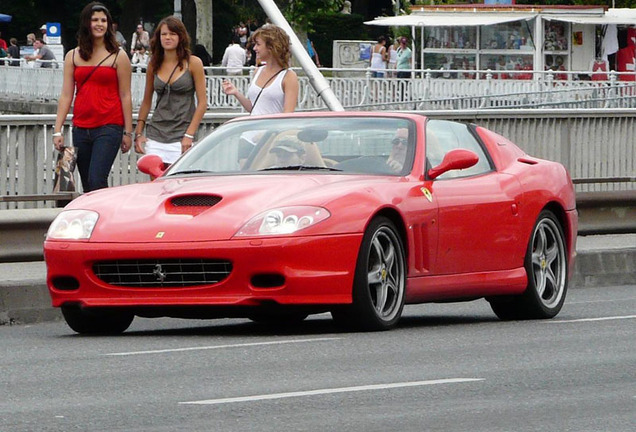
(96, 152)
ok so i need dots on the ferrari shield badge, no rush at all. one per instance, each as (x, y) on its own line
(427, 193)
(160, 234)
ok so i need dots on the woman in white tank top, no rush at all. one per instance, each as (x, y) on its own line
(274, 87)
(379, 57)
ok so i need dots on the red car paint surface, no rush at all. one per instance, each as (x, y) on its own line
(464, 235)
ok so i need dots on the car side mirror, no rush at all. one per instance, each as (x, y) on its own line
(151, 164)
(453, 160)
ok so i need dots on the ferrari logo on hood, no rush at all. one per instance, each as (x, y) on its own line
(160, 234)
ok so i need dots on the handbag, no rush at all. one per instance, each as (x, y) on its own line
(64, 180)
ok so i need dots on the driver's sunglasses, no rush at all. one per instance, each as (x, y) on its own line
(398, 141)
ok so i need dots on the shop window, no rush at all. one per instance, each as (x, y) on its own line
(557, 63)
(508, 66)
(556, 36)
(450, 37)
(448, 62)
(516, 35)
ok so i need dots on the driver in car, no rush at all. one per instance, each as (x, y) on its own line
(399, 144)
(288, 153)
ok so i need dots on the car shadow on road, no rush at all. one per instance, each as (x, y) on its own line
(312, 326)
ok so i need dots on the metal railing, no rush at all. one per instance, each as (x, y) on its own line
(357, 90)
(597, 147)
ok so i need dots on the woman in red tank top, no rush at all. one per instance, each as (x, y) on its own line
(98, 78)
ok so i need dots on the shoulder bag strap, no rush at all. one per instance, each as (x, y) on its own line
(79, 87)
(263, 88)
(163, 89)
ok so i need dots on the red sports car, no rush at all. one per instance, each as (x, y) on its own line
(275, 218)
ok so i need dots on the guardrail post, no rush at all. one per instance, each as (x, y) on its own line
(612, 95)
(487, 90)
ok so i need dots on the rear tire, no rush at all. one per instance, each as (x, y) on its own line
(380, 281)
(546, 264)
(96, 321)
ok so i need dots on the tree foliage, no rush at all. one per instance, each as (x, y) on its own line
(299, 12)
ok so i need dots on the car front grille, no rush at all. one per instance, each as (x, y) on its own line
(162, 273)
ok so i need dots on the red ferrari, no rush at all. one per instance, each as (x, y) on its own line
(275, 218)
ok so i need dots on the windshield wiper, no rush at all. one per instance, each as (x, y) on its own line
(300, 168)
(193, 171)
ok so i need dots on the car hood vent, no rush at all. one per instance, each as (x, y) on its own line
(195, 201)
(191, 204)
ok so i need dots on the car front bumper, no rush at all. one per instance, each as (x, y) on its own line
(310, 270)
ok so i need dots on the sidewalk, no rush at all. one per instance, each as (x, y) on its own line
(602, 260)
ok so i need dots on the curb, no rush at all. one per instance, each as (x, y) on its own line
(618, 267)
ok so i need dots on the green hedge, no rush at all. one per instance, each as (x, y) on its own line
(327, 27)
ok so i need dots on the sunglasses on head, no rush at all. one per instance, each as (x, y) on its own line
(99, 8)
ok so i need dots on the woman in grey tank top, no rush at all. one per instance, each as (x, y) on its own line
(175, 75)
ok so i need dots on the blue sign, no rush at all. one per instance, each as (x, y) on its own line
(53, 33)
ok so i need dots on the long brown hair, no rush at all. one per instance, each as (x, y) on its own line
(175, 25)
(85, 36)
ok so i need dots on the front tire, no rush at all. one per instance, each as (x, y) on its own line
(379, 283)
(96, 321)
(546, 264)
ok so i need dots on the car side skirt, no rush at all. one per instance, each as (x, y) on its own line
(469, 285)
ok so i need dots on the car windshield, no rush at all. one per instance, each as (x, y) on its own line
(368, 145)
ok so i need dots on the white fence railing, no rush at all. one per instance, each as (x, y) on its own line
(597, 146)
(357, 90)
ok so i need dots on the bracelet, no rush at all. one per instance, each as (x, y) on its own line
(129, 134)
(187, 135)
(57, 134)
(140, 120)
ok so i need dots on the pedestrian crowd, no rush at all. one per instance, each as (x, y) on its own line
(97, 78)
(391, 62)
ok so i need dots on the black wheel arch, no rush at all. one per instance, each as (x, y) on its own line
(559, 212)
(394, 216)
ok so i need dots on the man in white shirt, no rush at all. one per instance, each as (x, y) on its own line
(234, 57)
(44, 35)
(139, 38)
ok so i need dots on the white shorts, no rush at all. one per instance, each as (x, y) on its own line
(168, 152)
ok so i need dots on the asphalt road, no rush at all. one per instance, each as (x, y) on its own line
(448, 367)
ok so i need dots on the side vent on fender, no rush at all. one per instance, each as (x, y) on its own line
(528, 161)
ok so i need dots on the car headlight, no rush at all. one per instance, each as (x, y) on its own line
(284, 220)
(73, 225)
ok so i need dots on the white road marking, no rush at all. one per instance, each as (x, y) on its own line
(201, 348)
(612, 300)
(591, 319)
(330, 391)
